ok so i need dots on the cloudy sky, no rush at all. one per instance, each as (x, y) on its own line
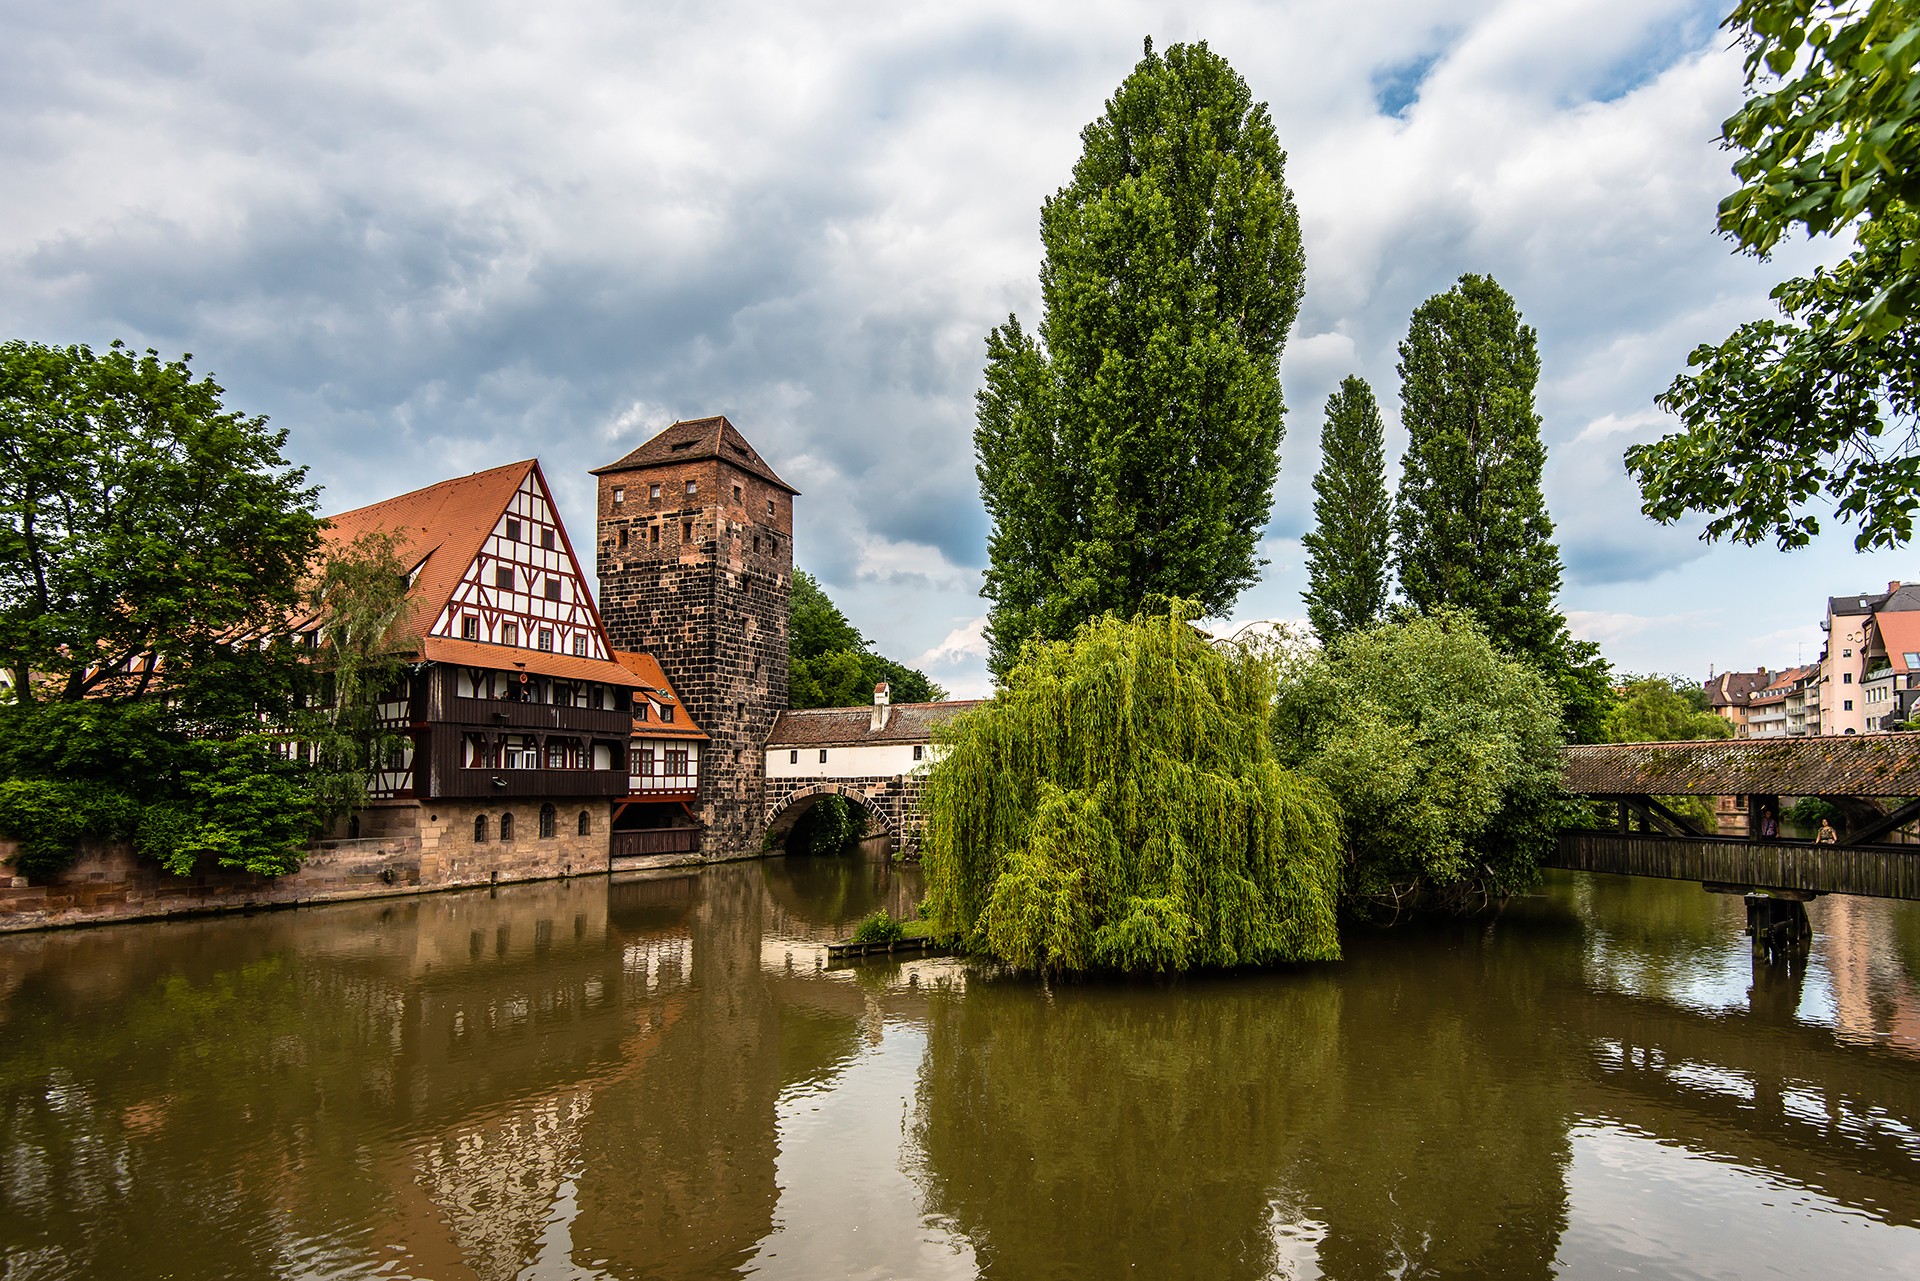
(428, 238)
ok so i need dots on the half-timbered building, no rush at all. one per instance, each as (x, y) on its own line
(517, 717)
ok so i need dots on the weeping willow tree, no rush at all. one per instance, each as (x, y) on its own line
(1119, 806)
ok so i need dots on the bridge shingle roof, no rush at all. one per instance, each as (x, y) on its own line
(1854, 765)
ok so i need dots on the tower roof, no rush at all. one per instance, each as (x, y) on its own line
(697, 440)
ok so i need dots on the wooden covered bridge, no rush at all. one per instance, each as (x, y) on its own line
(1872, 781)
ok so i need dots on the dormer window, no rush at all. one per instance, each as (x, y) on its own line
(666, 713)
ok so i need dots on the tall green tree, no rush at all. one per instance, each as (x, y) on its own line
(142, 523)
(1470, 524)
(1352, 517)
(1820, 406)
(1128, 449)
(830, 664)
(155, 547)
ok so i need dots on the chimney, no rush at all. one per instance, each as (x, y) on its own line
(881, 701)
(1893, 587)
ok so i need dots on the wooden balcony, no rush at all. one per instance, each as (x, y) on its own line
(656, 840)
(665, 787)
(500, 714)
(517, 783)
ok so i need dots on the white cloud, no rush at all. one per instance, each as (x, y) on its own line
(965, 643)
(432, 237)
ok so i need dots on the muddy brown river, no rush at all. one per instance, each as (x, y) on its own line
(661, 1077)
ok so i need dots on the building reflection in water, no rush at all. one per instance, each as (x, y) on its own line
(659, 1077)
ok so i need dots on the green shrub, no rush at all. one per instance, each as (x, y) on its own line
(880, 927)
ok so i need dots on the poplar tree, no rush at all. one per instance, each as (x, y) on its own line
(1128, 448)
(1352, 517)
(1470, 525)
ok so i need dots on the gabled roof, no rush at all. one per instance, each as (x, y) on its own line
(696, 440)
(1862, 603)
(1900, 633)
(851, 726)
(648, 672)
(1734, 688)
(442, 528)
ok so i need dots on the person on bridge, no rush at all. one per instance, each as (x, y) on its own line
(1826, 835)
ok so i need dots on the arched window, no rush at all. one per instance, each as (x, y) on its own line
(586, 823)
(479, 829)
(546, 821)
(506, 826)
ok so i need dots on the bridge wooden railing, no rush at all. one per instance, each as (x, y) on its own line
(1876, 871)
(656, 840)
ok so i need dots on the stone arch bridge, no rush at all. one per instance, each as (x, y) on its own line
(875, 757)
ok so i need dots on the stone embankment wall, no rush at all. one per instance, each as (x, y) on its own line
(408, 851)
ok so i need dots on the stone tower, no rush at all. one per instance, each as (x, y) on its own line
(695, 553)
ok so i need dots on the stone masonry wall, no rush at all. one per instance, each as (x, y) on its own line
(896, 797)
(418, 849)
(704, 584)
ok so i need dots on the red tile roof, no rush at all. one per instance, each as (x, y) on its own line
(443, 525)
(1900, 633)
(696, 440)
(649, 673)
(504, 658)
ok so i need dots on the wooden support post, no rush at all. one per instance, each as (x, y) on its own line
(1881, 826)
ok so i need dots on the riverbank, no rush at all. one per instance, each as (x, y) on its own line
(109, 883)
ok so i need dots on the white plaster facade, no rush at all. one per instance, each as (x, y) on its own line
(881, 760)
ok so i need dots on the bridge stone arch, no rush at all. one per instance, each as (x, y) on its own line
(889, 802)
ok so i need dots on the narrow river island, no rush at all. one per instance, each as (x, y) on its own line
(660, 1076)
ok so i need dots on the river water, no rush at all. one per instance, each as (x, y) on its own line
(660, 1077)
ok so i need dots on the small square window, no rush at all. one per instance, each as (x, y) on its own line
(793, 757)
(769, 507)
(553, 589)
(653, 492)
(1847, 705)
(640, 707)
(623, 538)
(580, 645)
(919, 752)
(823, 756)
(546, 639)
(686, 531)
(653, 535)
(693, 487)
(503, 578)
(666, 713)
(1846, 653)
(619, 494)
(509, 633)
(736, 493)
(1846, 678)
(513, 530)
(470, 627)
(546, 539)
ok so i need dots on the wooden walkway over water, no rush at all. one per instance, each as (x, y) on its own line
(1872, 781)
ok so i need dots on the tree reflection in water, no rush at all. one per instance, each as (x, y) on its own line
(1164, 1130)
